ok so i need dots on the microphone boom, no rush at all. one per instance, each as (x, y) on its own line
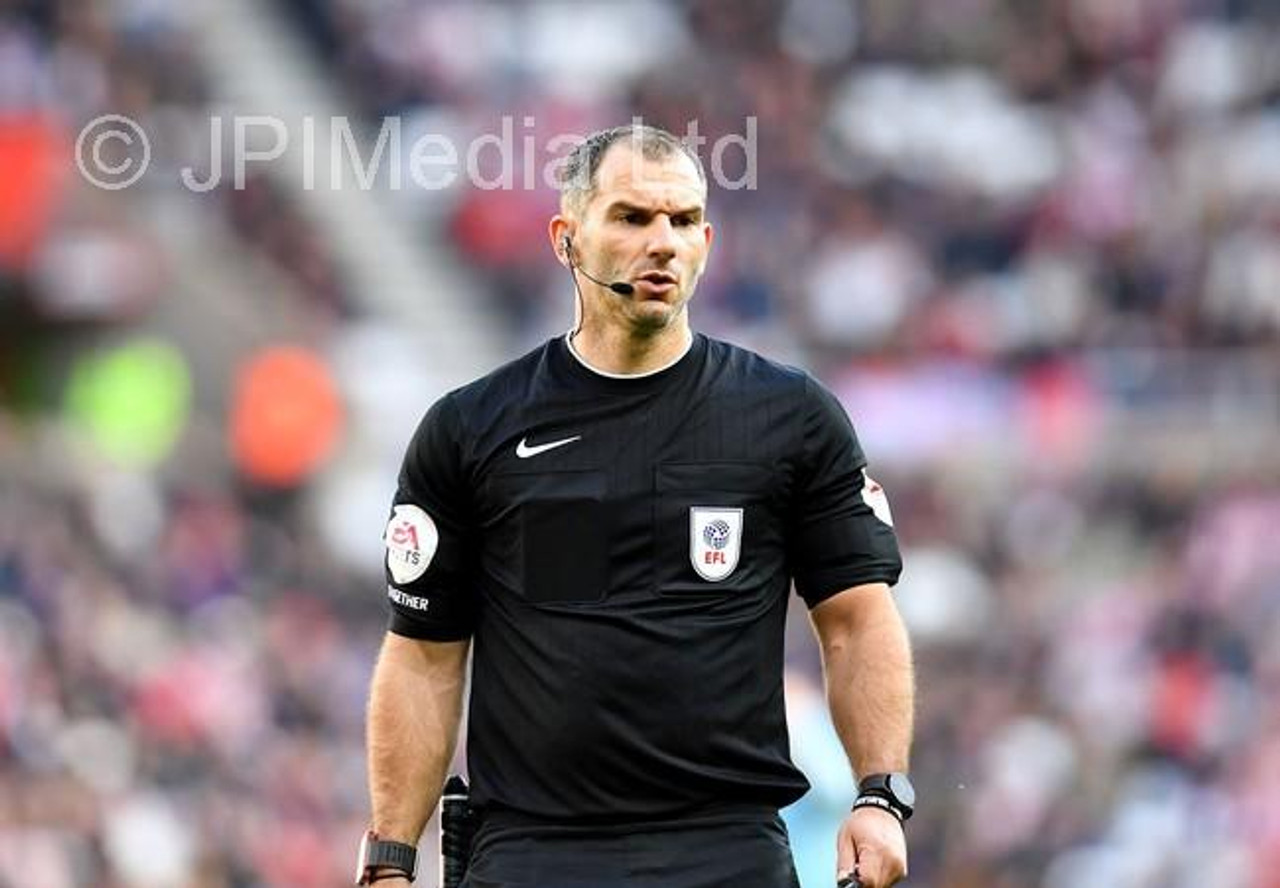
(622, 288)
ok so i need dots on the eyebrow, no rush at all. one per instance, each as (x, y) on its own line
(626, 206)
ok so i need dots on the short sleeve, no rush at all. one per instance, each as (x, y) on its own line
(429, 538)
(841, 532)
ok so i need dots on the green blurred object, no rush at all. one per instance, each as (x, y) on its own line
(132, 402)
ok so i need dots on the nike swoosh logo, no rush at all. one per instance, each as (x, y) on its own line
(524, 451)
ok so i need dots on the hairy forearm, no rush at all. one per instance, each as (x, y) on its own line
(415, 706)
(870, 682)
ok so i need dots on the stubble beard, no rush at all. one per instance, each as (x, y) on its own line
(649, 321)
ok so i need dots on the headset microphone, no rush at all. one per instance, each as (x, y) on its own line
(622, 288)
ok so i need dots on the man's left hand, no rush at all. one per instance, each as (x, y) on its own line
(872, 844)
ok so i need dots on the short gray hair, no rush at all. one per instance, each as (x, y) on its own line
(581, 166)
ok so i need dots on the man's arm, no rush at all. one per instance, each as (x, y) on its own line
(415, 706)
(866, 657)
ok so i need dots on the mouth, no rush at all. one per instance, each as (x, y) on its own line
(660, 281)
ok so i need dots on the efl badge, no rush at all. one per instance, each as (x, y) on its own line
(411, 538)
(715, 539)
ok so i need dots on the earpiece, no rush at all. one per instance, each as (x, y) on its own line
(622, 288)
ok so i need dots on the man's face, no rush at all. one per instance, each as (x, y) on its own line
(645, 225)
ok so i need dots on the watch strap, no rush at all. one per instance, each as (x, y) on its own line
(875, 801)
(399, 858)
(397, 854)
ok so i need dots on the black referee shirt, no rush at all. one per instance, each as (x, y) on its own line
(621, 550)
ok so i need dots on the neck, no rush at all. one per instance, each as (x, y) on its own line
(626, 352)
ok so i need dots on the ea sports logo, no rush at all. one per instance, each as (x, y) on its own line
(411, 539)
(716, 534)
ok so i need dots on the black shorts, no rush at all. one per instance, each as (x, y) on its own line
(747, 848)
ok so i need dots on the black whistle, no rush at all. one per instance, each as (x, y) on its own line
(849, 882)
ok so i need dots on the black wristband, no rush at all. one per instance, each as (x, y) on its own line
(895, 788)
(875, 801)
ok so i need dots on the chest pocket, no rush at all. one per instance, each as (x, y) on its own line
(552, 535)
(716, 529)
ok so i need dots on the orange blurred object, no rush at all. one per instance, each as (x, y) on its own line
(285, 416)
(34, 156)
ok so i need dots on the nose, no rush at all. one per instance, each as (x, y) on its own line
(662, 238)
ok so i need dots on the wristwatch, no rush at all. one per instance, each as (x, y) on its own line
(892, 792)
(379, 854)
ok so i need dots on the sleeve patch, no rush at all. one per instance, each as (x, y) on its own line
(406, 600)
(873, 496)
(411, 537)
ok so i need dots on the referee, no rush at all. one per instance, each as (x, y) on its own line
(611, 525)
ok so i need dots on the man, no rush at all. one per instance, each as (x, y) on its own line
(613, 522)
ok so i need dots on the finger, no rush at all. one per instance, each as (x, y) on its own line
(846, 856)
(881, 874)
(870, 869)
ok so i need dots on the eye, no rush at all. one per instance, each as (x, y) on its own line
(631, 217)
(683, 220)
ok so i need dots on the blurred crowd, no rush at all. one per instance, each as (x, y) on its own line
(67, 251)
(1034, 247)
(983, 178)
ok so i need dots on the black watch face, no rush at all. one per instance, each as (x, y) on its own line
(902, 790)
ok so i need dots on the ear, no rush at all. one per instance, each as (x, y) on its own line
(709, 235)
(559, 232)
